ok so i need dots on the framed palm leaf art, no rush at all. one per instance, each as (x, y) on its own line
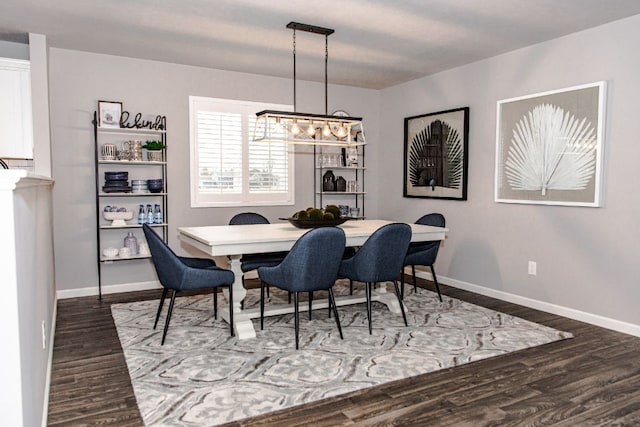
(435, 154)
(549, 147)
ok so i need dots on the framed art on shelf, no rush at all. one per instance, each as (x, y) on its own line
(549, 147)
(436, 155)
(109, 113)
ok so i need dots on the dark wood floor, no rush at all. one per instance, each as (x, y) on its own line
(590, 380)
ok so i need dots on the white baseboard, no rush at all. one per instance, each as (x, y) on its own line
(108, 289)
(47, 385)
(593, 319)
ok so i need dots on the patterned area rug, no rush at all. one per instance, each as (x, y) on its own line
(203, 377)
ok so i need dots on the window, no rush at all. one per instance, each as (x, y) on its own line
(227, 168)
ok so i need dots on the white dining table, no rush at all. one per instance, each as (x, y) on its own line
(234, 241)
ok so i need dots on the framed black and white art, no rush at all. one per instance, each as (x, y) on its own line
(549, 147)
(436, 154)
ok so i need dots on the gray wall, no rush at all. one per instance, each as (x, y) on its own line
(79, 79)
(587, 257)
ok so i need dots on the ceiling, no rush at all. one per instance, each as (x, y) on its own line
(376, 43)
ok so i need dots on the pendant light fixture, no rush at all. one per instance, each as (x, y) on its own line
(304, 128)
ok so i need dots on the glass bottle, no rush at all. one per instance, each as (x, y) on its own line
(157, 214)
(142, 218)
(352, 157)
(149, 215)
(131, 242)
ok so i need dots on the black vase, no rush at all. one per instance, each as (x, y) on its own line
(328, 181)
(341, 184)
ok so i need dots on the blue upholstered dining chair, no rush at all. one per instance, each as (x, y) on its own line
(379, 260)
(311, 265)
(178, 273)
(424, 253)
(251, 262)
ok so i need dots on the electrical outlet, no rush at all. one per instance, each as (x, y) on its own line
(532, 268)
(44, 335)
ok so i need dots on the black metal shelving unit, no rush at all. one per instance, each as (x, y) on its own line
(355, 173)
(131, 200)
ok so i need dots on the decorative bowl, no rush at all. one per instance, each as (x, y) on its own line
(116, 176)
(110, 252)
(118, 218)
(116, 184)
(155, 185)
(316, 223)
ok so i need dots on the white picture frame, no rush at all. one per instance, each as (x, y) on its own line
(549, 147)
(109, 113)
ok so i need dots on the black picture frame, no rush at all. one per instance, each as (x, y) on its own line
(109, 113)
(436, 155)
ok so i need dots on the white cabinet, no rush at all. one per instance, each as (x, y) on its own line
(111, 234)
(16, 125)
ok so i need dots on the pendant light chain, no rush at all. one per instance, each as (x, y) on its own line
(294, 71)
(326, 60)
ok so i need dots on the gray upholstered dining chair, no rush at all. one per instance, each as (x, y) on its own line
(178, 273)
(251, 262)
(379, 259)
(424, 253)
(311, 265)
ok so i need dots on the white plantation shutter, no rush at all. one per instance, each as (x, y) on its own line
(219, 152)
(227, 168)
(268, 165)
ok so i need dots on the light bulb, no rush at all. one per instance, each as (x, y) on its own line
(311, 130)
(295, 129)
(326, 130)
(341, 132)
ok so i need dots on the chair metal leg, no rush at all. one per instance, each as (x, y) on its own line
(233, 333)
(310, 303)
(268, 293)
(404, 316)
(368, 292)
(166, 323)
(289, 297)
(296, 316)
(262, 284)
(350, 287)
(329, 306)
(164, 295)
(215, 303)
(332, 304)
(415, 285)
(402, 283)
(435, 280)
